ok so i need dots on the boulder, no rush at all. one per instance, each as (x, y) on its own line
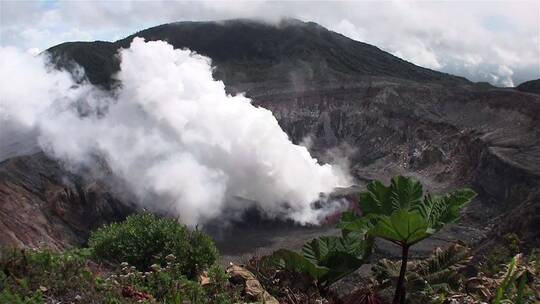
(252, 287)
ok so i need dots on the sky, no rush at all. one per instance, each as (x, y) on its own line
(493, 41)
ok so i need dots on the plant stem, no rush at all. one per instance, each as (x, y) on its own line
(399, 296)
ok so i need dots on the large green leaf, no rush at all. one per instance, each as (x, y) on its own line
(403, 227)
(356, 245)
(317, 250)
(320, 250)
(402, 193)
(340, 264)
(454, 202)
(402, 214)
(376, 200)
(441, 210)
(405, 192)
(360, 225)
(293, 261)
(340, 255)
(325, 259)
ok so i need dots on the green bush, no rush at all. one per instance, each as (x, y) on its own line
(168, 285)
(404, 215)
(30, 276)
(44, 276)
(143, 239)
(324, 260)
(427, 280)
(7, 296)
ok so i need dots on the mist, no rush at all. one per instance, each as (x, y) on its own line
(170, 131)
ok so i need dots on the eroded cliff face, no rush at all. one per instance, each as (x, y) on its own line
(44, 205)
(448, 137)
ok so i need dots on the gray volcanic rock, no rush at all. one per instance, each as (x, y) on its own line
(41, 204)
(386, 115)
(531, 86)
(486, 139)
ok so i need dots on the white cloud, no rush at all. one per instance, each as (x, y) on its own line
(417, 52)
(471, 39)
(172, 133)
(350, 30)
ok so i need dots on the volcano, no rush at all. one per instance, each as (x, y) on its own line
(386, 115)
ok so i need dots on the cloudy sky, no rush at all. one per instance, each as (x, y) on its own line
(495, 41)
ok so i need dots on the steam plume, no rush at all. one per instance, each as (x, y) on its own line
(171, 132)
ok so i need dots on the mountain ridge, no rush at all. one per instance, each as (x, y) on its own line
(531, 86)
(275, 49)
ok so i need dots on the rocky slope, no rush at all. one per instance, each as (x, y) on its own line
(446, 136)
(386, 115)
(42, 204)
(531, 86)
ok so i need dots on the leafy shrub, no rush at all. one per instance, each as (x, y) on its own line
(325, 259)
(29, 276)
(168, 284)
(402, 214)
(143, 240)
(44, 276)
(7, 296)
(516, 283)
(499, 256)
(429, 279)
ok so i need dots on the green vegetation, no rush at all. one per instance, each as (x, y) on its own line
(402, 214)
(147, 259)
(440, 279)
(30, 276)
(428, 280)
(169, 285)
(516, 283)
(44, 276)
(325, 259)
(143, 240)
(497, 259)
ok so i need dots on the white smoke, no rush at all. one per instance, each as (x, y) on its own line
(171, 132)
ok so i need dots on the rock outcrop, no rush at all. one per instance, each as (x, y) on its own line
(252, 288)
(43, 205)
